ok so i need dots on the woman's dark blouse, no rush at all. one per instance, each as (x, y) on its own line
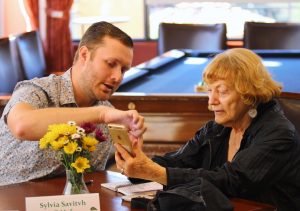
(266, 168)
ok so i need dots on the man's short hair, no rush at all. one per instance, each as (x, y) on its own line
(95, 34)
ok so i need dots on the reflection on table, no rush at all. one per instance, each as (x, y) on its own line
(12, 197)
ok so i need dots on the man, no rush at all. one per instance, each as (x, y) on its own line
(104, 54)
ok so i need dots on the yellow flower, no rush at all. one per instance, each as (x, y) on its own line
(73, 144)
(56, 145)
(59, 142)
(43, 143)
(70, 148)
(89, 143)
(46, 140)
(62, 129)
(81, 163)
(57, 136)
(92, 148)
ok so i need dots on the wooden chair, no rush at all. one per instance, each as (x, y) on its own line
(10, 70)
(271, 35)
(208, 37)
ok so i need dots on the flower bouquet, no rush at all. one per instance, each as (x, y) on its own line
(73, 145)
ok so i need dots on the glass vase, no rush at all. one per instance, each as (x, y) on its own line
(74, 183)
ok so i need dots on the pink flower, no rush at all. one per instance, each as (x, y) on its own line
(99, 135)
(88, 127)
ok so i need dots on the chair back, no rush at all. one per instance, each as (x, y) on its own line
(271, 35)
(32, 54)
(290, 103)
(10, 70)
(209, 37)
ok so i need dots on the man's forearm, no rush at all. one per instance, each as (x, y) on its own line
(32, 124)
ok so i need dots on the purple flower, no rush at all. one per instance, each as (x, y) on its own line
(99, 135)
(88, 127)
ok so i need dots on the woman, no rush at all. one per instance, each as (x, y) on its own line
(250, 150)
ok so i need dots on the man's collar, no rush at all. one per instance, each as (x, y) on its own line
(66, 91)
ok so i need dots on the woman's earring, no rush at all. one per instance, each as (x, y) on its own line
(252, 113)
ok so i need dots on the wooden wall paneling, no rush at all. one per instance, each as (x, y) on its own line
(171, 120)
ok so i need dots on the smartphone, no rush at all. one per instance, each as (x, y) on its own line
(119, 135)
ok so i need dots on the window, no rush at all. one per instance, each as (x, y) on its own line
(128, 15)
(141, 18)
(233, 14)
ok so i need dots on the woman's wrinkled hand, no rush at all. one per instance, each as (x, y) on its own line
(134, 164)
(137, 164)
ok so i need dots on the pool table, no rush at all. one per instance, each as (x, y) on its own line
(178, 71)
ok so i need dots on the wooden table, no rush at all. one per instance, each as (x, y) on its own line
(12, 197)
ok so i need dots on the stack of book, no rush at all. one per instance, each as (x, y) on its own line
(146, 190)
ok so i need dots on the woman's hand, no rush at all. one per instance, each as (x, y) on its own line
(138, 165)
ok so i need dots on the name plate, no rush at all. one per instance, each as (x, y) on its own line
(77, 202)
